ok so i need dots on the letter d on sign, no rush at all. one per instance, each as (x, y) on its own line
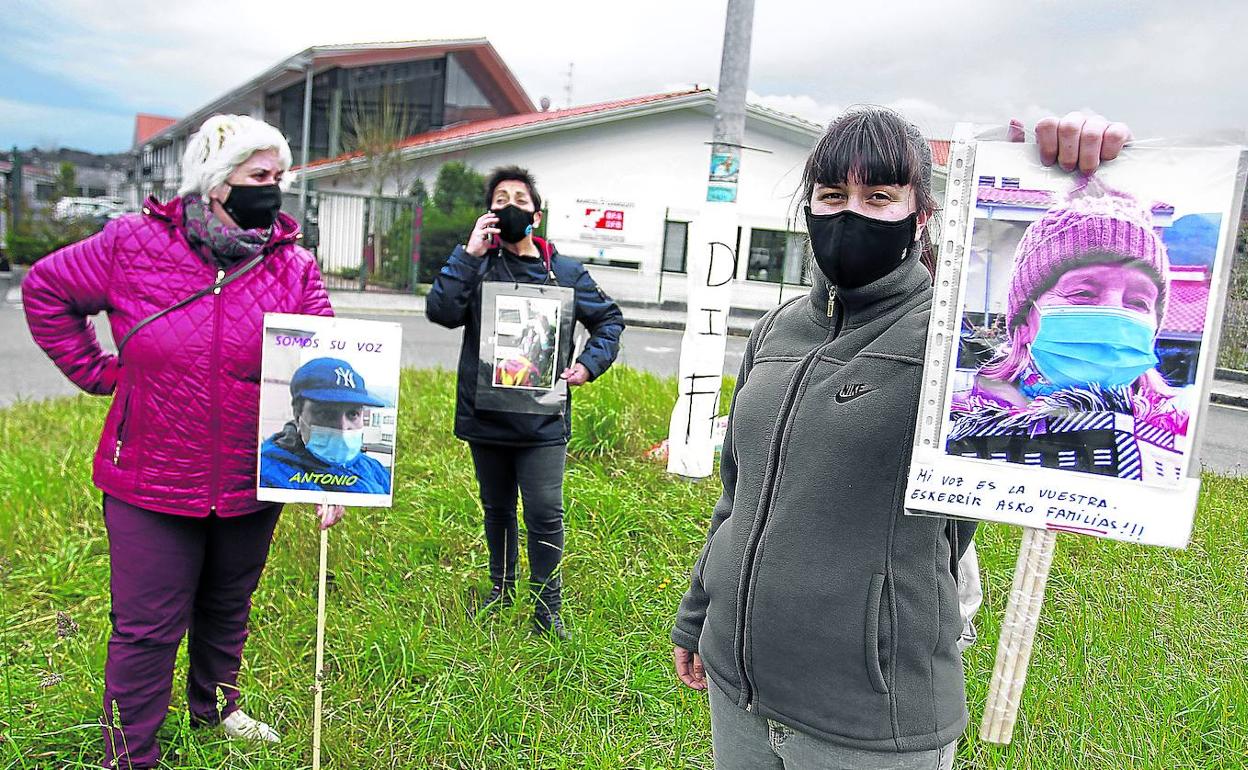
(722, 266)
(713, 265)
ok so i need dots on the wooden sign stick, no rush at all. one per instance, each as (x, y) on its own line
(1018, 632)
(320, 652)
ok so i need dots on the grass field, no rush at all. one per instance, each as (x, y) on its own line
(1141, 659)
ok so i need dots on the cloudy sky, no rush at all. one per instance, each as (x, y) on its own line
(74, 74)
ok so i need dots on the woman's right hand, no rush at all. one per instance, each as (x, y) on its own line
(482, 233)
(689, 668)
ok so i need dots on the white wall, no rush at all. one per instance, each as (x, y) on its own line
(657, 162)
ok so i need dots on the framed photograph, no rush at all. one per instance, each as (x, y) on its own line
(328, 410)
(526, 342)
(1083, 332)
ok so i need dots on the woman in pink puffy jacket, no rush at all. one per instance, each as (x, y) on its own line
(187, 538)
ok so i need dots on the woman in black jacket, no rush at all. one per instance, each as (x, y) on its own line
(513, 450)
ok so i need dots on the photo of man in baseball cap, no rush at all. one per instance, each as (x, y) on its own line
(322, 447)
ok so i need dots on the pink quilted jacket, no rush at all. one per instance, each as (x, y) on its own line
(181, 434)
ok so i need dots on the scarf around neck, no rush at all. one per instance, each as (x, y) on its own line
(218, 243)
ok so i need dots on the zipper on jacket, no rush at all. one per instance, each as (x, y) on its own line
(121, 426)
(220, 275)
(756, 535)
(214, 403)
(838, 319)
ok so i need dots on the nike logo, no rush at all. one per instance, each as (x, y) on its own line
(850, 392)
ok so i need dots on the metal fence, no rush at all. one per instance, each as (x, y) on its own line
(1233, 352)
(362, 241)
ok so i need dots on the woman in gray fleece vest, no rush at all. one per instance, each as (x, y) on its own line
(824, 620)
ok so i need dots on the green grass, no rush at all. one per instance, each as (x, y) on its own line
(1140, 659)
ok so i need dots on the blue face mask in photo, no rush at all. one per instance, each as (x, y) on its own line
(1077, 346)
(334, 446)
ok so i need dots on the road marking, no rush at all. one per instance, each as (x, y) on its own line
(659, 350)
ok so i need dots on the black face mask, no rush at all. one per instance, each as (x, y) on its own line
(853, 250)
(253, 207)
(514, 223)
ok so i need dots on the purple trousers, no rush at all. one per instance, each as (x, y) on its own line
(171, 575)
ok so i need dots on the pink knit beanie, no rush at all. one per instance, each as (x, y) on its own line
(1092, 219)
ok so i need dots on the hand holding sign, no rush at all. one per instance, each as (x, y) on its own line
(576, 374)
(330, 514)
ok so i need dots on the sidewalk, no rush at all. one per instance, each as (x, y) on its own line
(1230, 388)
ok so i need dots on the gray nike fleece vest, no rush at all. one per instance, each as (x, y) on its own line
(816, 602)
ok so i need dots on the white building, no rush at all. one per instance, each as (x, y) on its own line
(622, 180)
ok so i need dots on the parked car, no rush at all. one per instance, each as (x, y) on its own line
(100, 209)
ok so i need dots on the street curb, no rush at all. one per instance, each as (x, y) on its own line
(1226, 399)
(340, 310)
(1234, 375)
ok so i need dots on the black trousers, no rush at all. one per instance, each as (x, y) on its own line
(536, 474)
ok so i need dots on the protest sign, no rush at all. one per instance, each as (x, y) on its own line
(328, 410)
(1071, 347)
(1078, 336)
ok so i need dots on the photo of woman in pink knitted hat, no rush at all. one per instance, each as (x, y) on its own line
(1066, 374)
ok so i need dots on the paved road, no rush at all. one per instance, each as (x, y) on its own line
(425, 345)
(28, 374)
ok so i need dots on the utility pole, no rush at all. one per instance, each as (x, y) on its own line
(305, 138)
(713, 262)
(16, 183)
(734, 74)
(567, 88)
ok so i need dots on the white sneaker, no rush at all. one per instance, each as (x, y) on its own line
(239, 725)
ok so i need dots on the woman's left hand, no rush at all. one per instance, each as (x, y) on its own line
(1079, 140)
(330, 514)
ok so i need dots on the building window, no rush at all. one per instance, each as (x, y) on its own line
(675, 246)
(342, 98)
(777, 256)
(464, 100)
(987, 181)
(1009, 183)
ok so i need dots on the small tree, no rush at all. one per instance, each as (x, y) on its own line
(66, 181)
(458, 184)
(457, 201)
(375, 130)
(419, 191)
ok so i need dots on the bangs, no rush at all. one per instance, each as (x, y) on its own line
(865, 148)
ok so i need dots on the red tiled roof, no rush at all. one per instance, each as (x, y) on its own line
(940, 151)
(1186, 306)
(1013, 196)
(146, 126)
(1041, 199)
(33, 172)
(476, 128)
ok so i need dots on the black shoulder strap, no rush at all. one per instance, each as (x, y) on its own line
(216, 286)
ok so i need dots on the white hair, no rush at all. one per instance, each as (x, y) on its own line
(221, 144)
